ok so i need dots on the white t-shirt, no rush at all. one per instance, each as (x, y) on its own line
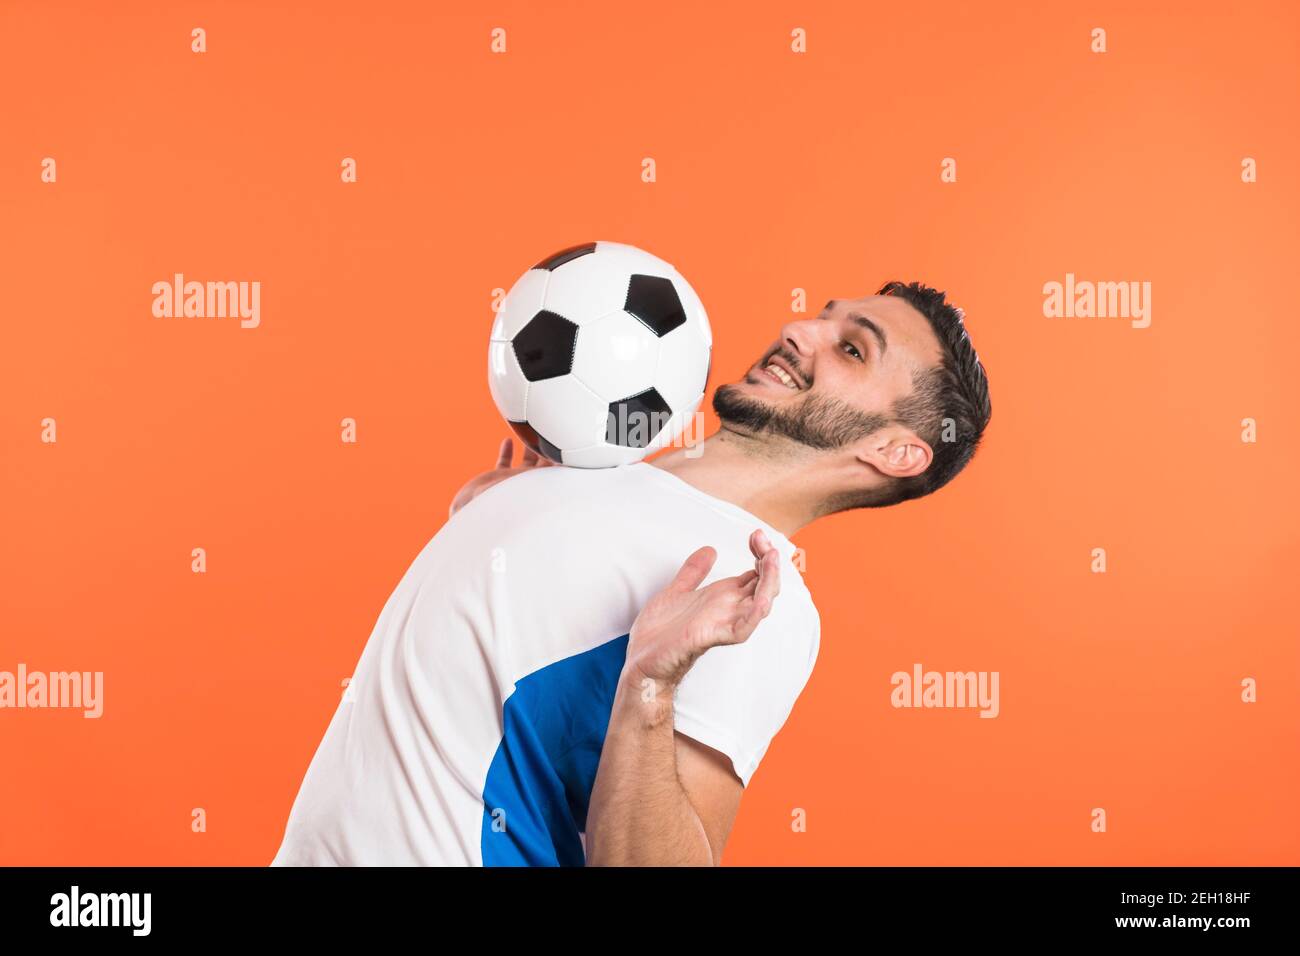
(472, 728)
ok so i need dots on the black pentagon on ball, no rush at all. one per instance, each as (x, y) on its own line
(557, 259)
(529, 436)
(654, 301)
(544, 346)
(634, 421)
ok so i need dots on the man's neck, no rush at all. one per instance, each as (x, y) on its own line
(753, 475)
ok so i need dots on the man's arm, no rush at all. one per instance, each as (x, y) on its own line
(713, 788)
(661, 798)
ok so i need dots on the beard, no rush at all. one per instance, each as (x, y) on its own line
(817, 421)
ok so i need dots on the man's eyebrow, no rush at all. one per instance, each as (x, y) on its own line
(871, 327)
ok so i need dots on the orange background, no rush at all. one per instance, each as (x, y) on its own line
(775, 171)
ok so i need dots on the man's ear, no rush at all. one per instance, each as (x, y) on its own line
(896, 452)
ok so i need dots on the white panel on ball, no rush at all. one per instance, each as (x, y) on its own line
(646, 263)
(595, 285)
(695, 314)
(506, 381)
(566, 413)
(603, 455)
(616, 356)
(683, 365)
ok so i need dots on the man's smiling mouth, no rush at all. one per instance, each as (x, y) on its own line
(779, 370)
(782, 376)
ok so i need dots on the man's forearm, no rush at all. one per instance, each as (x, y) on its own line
(639, 814)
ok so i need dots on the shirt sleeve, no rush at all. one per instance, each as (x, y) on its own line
(737, 697)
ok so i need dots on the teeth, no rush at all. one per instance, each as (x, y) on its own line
(784, 376)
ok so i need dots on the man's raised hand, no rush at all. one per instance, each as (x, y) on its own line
(683, 621)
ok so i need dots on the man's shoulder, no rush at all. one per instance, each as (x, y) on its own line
(631, 500)
(560, 488)
(796, 612)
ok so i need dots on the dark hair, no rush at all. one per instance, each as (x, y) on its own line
(948, 407)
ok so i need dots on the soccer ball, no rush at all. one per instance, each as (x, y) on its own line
(599, 355)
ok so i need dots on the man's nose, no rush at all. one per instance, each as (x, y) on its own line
(800, 337)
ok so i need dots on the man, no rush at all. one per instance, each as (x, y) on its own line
(537, 689)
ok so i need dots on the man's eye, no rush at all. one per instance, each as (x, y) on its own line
(852, 350)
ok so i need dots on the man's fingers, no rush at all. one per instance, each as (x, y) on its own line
(695, 570)
(769, 577)
(756, 610)
(740, 585)
(534, 460)
(752, 609)
(751, 615)
(767, 561)
(506, 453)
